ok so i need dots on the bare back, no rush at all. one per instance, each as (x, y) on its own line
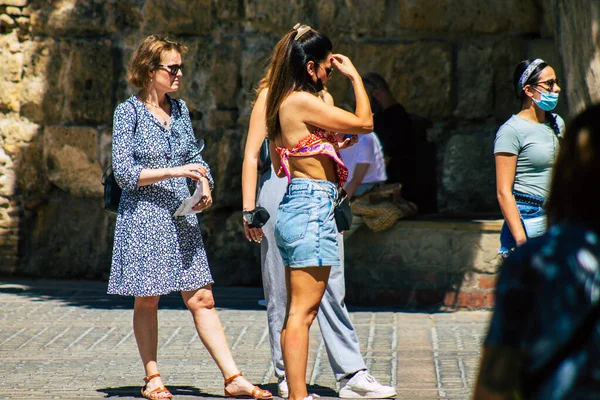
(293, 129)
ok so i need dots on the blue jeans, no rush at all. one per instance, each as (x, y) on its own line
(527, 211)
(305, 230)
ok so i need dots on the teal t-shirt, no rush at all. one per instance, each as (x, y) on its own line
(536, 146)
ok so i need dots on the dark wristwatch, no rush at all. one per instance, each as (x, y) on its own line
(256, 218)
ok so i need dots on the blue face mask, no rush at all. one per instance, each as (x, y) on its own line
(547, 101)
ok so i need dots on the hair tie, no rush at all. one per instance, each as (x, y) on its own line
(527, 73)
(300, 30)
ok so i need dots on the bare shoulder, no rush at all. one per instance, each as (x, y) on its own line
(328, 98)
(262, 94)
(301, 99)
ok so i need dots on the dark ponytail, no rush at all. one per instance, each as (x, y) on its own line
(552, 122)
(287, 70)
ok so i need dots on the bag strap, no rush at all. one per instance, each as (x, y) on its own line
(108, 169)
(341, 192)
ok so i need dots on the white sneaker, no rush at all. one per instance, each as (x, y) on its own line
(282, 388)
(364, 386)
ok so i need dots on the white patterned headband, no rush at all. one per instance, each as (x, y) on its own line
(529, 70)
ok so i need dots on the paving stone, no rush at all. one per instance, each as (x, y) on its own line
(69, 340)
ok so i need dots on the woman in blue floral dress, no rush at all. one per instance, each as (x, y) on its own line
(154, 157)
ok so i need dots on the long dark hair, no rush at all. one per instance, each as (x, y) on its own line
(573, 195)
(287, 70)
(533, 78)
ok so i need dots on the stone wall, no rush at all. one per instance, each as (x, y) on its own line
(63, 71)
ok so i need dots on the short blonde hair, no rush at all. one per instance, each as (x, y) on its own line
(148, 56)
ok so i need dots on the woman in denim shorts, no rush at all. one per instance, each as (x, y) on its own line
(525, 149)
(303, 137)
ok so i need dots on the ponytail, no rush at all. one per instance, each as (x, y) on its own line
(279, 88)
(287, 71)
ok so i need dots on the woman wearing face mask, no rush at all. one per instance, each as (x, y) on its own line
(301, 129)
(525, 149)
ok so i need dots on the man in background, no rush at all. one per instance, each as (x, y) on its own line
(410, 158)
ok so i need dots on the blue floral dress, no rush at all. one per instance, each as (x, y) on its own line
(154, 253)
(545, 291)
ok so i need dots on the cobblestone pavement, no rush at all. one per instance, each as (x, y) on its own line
(69, 340)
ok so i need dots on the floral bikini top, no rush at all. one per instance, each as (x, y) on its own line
(319, 142)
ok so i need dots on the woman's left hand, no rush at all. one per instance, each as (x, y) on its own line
(206, 200)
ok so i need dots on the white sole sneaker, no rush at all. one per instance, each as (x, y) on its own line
(351, 394)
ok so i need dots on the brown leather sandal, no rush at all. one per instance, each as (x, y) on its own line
(257, 393)
(155, 394)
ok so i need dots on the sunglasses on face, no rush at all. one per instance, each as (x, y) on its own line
(172, 69)
(550, 83)
(328, 71)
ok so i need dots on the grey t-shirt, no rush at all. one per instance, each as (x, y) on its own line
(536, 146)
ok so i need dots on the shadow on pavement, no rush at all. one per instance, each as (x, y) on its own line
(92, 294)
(134, 391)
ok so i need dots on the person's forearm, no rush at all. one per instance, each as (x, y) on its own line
(148, 176)
(249, 180)
(363, 106)
(510, 211)
(351, 187)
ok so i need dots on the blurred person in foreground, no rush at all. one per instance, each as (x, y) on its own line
(543, 338)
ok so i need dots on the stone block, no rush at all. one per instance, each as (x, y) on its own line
(255, 58)
(408, 69)
(223, 119)
(79, 82)
(274, 15)
(224, 153)
(82, 18)
(67, 236)
(236, 258)
(178, 17)
(505, 57)
(15, 131)
(199, 88)
(355, 18)
(577, 41)
(105, 147)
(15, 11)
(225, 73)
(475, 251)
(464, 191)
(29, 167)
(9, 101)
(475, 80)
(70, 158)
(228, 10)
(15, 3)
(7, 23)
(477, 16)
(547, 50)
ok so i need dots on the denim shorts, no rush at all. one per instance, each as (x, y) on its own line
(305, 230)
(528, 212)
